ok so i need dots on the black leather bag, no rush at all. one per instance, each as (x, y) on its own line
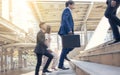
(71, 41)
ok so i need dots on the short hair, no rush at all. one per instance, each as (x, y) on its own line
(41, 24)
(70, 2)
(48, 29)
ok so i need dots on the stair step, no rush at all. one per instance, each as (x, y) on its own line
(95, 69)
(108, 55)
(63, 72)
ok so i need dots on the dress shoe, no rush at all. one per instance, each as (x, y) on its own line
(46, 71)
(114, 42)
(63, 68)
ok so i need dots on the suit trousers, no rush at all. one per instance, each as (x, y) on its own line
(54, 61)
(114, 21)
(39, 61)
(63, 55)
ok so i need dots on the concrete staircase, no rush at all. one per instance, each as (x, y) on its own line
(101, 60)
(58, 72)
(88, 68)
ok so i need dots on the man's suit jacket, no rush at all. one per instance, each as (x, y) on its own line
(67, 23)
(40, 47)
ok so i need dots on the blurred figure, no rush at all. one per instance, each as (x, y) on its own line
(55, 58)
(41, 49)
(110, 13)
(66, 28)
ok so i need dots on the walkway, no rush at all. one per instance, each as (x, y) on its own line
(30, 71)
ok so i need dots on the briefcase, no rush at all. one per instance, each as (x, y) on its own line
(71, 41)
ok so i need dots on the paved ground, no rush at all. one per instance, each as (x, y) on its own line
(30, 71)
(17, 72)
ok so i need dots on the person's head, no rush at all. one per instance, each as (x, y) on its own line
(48, 30)
(70, 4)
(43, 26)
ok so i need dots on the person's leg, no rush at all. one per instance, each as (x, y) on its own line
(55, 60)
(115, 30)
(50, 57)
(62, 57)
(44, 61)
(68, 51)
(113, 23)
(39, 61)
(115, 19)
(110, 13)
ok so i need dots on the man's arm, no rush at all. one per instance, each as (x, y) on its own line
(66, 16)
(115, 2)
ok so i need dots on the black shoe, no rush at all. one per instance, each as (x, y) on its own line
(46, 71)
(114, 42)
(67, 59)
(63, 68)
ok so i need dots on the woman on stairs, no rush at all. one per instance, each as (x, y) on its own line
(41, 49)
(55, 58)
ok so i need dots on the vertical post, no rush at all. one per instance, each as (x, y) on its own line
(10, 10)
(85, 20)
(1, 65)
(0, 58)
(85, 34)
(11, 58)
(5, 53)
(19, 58)
(0, 7)
(25, 59)
(25, 62)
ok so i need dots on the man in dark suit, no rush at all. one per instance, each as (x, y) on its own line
(41, 49)
(110, 13)
(66, 28)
